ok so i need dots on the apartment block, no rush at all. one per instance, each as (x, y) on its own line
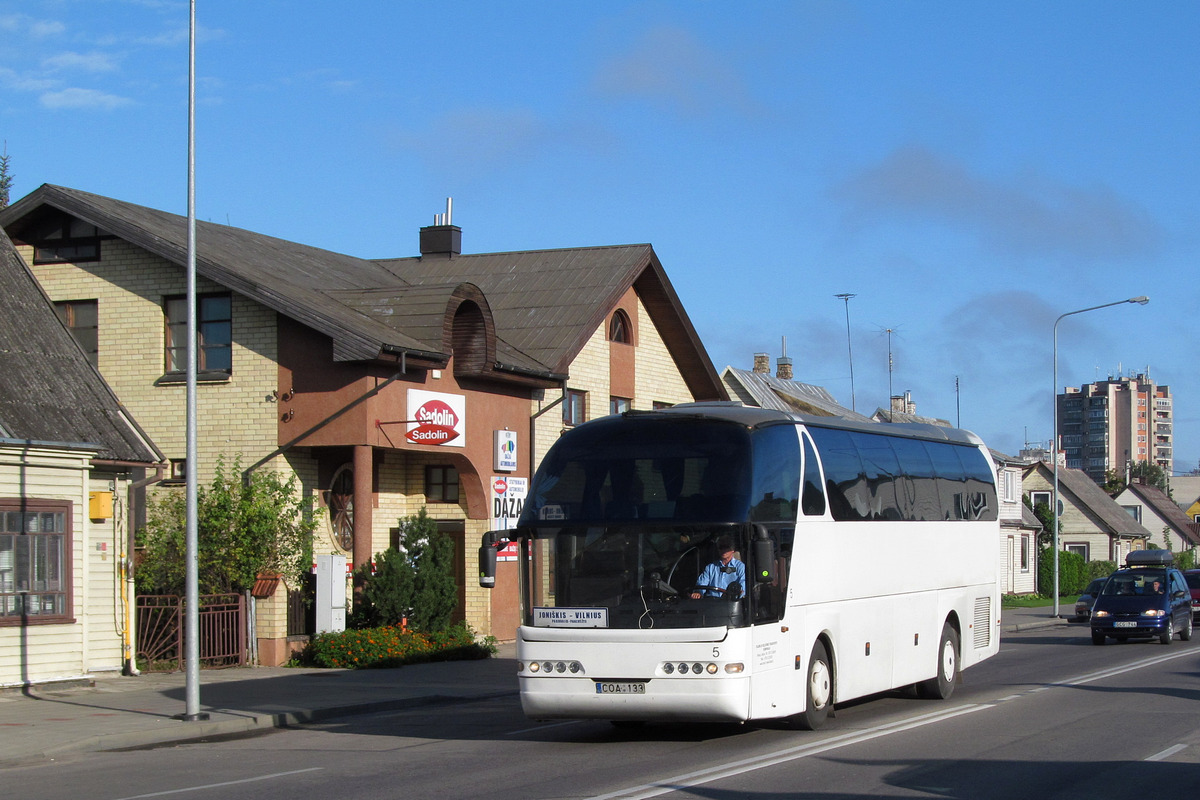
(1115, 424)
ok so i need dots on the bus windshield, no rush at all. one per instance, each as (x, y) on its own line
(667, 469)
(645, 576)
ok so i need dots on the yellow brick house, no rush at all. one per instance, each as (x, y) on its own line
(384, 385)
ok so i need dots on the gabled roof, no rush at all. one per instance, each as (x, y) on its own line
(766, 391)
(545, 304)
(50, 393)
(1166, 510)
(1114, 519)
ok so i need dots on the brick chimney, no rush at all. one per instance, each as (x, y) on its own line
(442, 238)
(783, 364)
(762, 363)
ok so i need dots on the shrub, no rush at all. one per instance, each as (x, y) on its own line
(394, 647)
(1100, 569)
(415, 581)
(243, 528)
(1072, 573)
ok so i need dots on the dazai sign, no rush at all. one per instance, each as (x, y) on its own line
(437, 419)
(508, 498)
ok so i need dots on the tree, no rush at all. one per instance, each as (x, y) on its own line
(414, 581)
(1114, 483)
(1044, 515)
(244, 528)
(6, 178)
(1150, 474)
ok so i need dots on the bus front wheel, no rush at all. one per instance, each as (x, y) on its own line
(818, 693)
(942, 686)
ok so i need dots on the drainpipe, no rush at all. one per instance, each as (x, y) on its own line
(129, 590)
(562, 398)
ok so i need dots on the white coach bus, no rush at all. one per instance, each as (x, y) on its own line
(869, 553)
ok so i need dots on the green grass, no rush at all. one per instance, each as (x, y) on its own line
(1034, 601)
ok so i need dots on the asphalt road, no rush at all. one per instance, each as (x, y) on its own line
(1052, 716)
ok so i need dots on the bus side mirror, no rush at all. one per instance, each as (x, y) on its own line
(764, 556)
(487, 558)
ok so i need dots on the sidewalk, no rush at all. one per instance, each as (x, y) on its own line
(118, 712)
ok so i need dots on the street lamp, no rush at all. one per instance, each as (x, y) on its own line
(845, 297)
(1141, 301)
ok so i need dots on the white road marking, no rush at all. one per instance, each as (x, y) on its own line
(544, 727)
(224, 783)
(1170, 751)
(735, 768)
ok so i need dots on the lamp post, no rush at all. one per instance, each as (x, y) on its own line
(1141, 301)
(845, 297)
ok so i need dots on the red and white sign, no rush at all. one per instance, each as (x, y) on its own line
(436, 419)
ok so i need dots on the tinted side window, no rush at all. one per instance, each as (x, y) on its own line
(845, 484)
(881, 468)
(776, 486)
(812, 501)
(916, 492)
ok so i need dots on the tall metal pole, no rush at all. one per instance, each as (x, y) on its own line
(191, 638)
(845, 297)
(1142, 300)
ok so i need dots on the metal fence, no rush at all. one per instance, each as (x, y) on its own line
(160, 631)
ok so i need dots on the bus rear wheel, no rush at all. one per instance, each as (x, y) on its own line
(942, 686)
(818, 690)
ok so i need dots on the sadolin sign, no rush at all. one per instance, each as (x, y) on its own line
(436, 419)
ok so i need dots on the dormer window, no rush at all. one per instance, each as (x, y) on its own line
(61, 239)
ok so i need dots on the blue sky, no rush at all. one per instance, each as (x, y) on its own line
(969, 171)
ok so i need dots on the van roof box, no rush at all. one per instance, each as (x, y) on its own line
(1150, 558)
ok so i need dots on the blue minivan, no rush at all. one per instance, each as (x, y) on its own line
(1147, 599)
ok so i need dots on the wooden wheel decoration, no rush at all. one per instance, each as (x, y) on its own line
(341, 507)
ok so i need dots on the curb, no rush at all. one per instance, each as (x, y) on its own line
(243, 723)
(1029, 626)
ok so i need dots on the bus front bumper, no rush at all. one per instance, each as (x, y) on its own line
(697, 699)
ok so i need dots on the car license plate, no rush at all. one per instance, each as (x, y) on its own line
(620, 687)
(1129, 624)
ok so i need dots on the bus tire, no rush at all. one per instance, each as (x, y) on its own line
(942, 686)
(818, 690)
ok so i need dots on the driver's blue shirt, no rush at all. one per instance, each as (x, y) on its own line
(722, 575)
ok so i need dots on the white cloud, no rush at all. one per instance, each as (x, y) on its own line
(75, 98)
(11, 79)
(89, 62)
(44, 28)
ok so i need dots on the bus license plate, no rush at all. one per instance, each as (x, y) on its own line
(1130, 624)
(620, 687)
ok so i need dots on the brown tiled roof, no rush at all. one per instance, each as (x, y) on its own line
(1167, 510)
(545, 304)
(49, 391)
(1114, 519)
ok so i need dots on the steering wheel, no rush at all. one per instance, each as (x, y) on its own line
(702, 589)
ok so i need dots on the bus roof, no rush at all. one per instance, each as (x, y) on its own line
(753, 417)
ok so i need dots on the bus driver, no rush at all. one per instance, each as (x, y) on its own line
(718, 578)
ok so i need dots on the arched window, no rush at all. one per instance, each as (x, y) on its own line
(341, 506)
(619, 328)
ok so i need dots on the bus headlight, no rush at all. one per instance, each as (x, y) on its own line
(735, 668)
(668, 668)
(711, 669)
(534, 666)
